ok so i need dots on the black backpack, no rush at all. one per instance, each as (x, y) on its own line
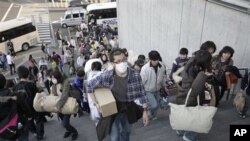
(24, 92)
(9, 129)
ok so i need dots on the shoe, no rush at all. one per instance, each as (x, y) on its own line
(80, 113)
(41, 137)
(74, 136)
(186, 138)
(180, 134)
(66, 134)
(154, 118)
(243, 116)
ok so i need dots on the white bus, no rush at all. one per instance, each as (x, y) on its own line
(103, 12)
(21, 32)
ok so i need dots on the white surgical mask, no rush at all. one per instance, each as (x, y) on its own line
(54, 81)
(121, 67)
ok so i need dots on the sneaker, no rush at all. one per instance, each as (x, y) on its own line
(154, 118)
(66, 134)
(74, 136)
(180, 134)
(186, 138)
(243, 116)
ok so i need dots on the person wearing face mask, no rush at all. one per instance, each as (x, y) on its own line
(61, 88)
(219, 65)
(152, 75)
(126, 86)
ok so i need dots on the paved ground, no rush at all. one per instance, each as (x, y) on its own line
(158, 130)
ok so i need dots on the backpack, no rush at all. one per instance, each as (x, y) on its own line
(24, 92)
(10, 126)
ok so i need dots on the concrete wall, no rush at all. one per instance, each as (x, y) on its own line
(168, 25)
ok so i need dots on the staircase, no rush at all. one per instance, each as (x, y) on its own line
(44, 32)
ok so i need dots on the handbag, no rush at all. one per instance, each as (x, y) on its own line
(197, 119)
(47, 103)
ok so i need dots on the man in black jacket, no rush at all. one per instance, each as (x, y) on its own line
(30, 89)
(15, 104)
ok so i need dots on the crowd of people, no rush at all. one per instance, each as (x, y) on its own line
(92, 59)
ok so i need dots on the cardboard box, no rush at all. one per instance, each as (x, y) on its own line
(106, 101)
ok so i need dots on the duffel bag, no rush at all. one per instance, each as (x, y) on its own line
(47, 103)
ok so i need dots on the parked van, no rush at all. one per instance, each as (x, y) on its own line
(73, 16)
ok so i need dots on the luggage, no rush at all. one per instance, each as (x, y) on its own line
(47, 103)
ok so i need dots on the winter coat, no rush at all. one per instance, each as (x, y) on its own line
(152, 82)
(65, 93)
(191, 78)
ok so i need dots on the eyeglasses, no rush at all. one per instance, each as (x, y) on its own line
(120, 61)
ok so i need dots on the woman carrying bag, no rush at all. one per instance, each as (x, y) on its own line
(194, 76)
(61, 88)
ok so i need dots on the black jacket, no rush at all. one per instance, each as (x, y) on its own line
(5, 107)
(31, 90)
(23, 108)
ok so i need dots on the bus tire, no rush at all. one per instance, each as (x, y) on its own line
(64, 25)
(25, 46)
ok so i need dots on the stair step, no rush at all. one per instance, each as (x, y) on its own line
(44, 33)
(41, 31)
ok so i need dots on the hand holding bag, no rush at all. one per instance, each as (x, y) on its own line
(197, 119)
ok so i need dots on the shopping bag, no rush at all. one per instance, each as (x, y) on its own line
(198, 119)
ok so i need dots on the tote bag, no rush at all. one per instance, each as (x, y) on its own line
(198, 119)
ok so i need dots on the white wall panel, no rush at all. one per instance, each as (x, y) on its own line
(228, 27)
(168, 25)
